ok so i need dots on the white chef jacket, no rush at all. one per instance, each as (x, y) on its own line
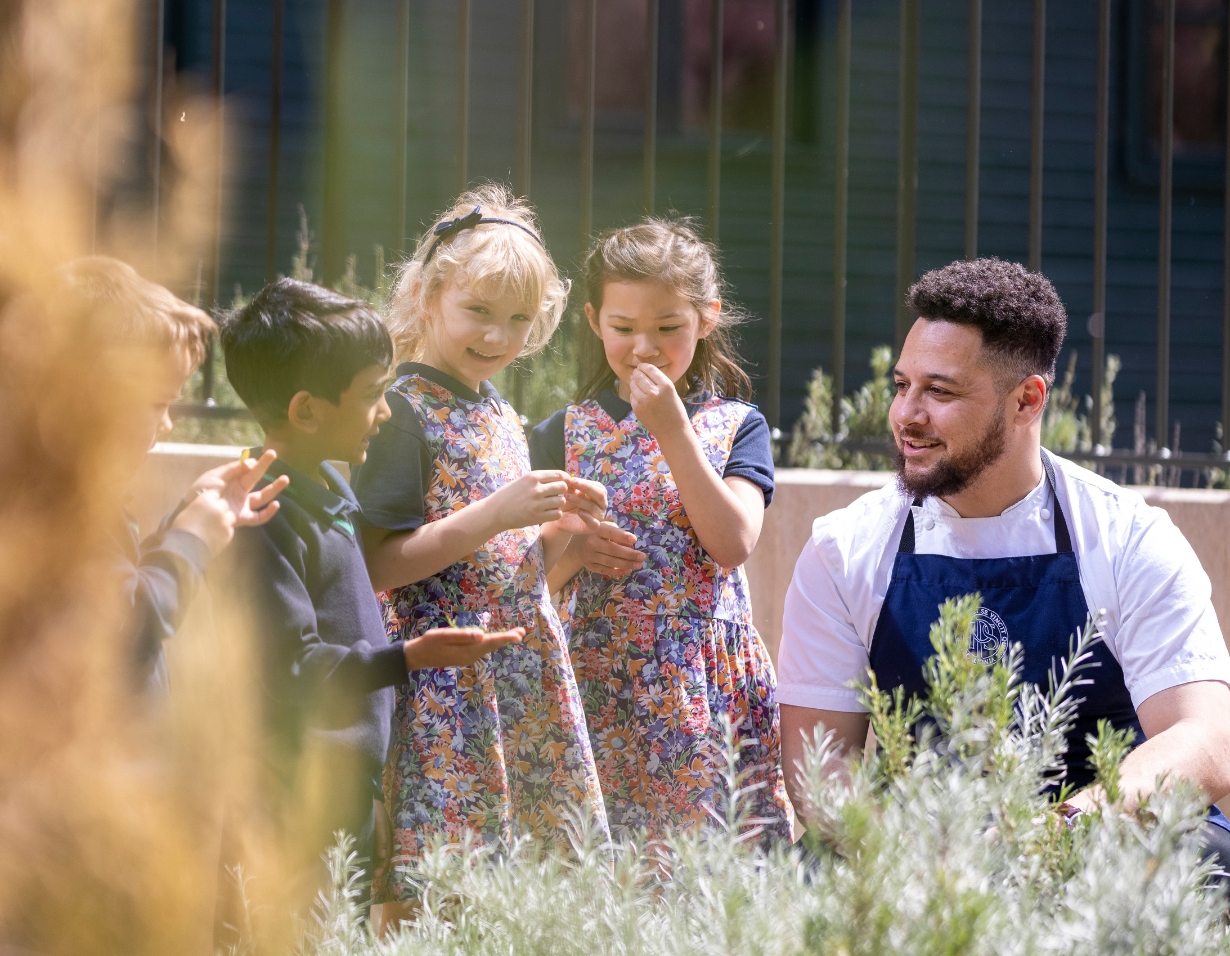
(1135, 566)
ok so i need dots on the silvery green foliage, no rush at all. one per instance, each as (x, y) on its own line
(941, 845)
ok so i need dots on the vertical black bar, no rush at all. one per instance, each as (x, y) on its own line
(1100, 163)
(1165, 201)
(649, 181)
(973, 127)
(1225, 314)
(521, 370)
(525, 100)
(333, 240)
(275, 144)
(1037, 117)
(402, 127)
(215, 259)
(713, 199)
(907, 161)
(841, 189)
(156, 152)
(463, 94)
(587, 122)
(777, 213)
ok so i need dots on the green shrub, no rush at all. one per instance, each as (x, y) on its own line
(864, 418)
(940, 845)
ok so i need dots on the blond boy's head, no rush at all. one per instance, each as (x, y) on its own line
(147, 341)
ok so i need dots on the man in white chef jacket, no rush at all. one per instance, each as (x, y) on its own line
(979, 506)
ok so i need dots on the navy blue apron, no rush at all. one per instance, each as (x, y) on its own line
(1033, 601)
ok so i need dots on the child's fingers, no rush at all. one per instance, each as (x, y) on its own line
(595, 491)
(613, 532)
(258, 499)
(258, 518)
(228, 472)
(619, 554)
(550, 475)
(457, 635)
(256, 470)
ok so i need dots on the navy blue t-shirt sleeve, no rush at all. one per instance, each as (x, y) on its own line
(392, 484)
(751, 455)
(547, 444)
(160, 586)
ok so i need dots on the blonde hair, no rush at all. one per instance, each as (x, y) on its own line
(126, 309)
(671, 252)
(493, 258)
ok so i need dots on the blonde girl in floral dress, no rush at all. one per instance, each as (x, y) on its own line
(657, 603)
(461, 530)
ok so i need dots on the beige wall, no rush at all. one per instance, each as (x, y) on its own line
(801, 497)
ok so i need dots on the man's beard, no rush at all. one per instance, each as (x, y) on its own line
(952, 474)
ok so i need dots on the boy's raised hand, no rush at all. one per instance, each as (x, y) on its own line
(222, 500)
(456, 646)
(610, 551)
(656, 402)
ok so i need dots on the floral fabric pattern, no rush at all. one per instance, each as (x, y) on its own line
(499, 748)
(663, 652)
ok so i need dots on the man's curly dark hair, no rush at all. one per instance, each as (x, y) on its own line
(1019, 313)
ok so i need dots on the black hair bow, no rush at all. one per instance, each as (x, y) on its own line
(450, 227)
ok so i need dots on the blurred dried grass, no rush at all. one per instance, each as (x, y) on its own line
(108, 830)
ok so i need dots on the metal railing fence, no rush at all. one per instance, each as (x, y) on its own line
(333, 254)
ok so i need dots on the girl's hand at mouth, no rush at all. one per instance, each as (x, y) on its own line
(656, 402)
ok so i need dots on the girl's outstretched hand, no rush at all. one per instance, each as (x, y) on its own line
(610, 551)
(456, 646)
(584, 506)
(657, 405)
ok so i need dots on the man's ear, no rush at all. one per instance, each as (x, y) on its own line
(592, 315)
(301, 413)
(709, 317)
(1031, 399)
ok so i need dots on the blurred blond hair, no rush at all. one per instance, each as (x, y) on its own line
(490, 259)
(126, 309)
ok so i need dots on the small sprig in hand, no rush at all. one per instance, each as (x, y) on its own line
(583, 507)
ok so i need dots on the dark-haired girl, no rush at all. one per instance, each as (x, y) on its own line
(656, 601)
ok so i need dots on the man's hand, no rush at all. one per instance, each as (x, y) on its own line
(656, 402)
(222, 500)
(456, 646)
(584, 507)
(610, 551)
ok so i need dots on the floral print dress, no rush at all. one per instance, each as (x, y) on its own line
(662, 653)
(499, 748)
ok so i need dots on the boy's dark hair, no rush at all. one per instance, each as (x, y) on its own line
(295, 336)
(1018, 312)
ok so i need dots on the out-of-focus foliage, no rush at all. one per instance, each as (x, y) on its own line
(1065, 423)
(110, 806)
(939, 845)
(864, 418)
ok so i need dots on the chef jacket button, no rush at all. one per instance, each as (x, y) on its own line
(1046, 514)
(928, 523)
